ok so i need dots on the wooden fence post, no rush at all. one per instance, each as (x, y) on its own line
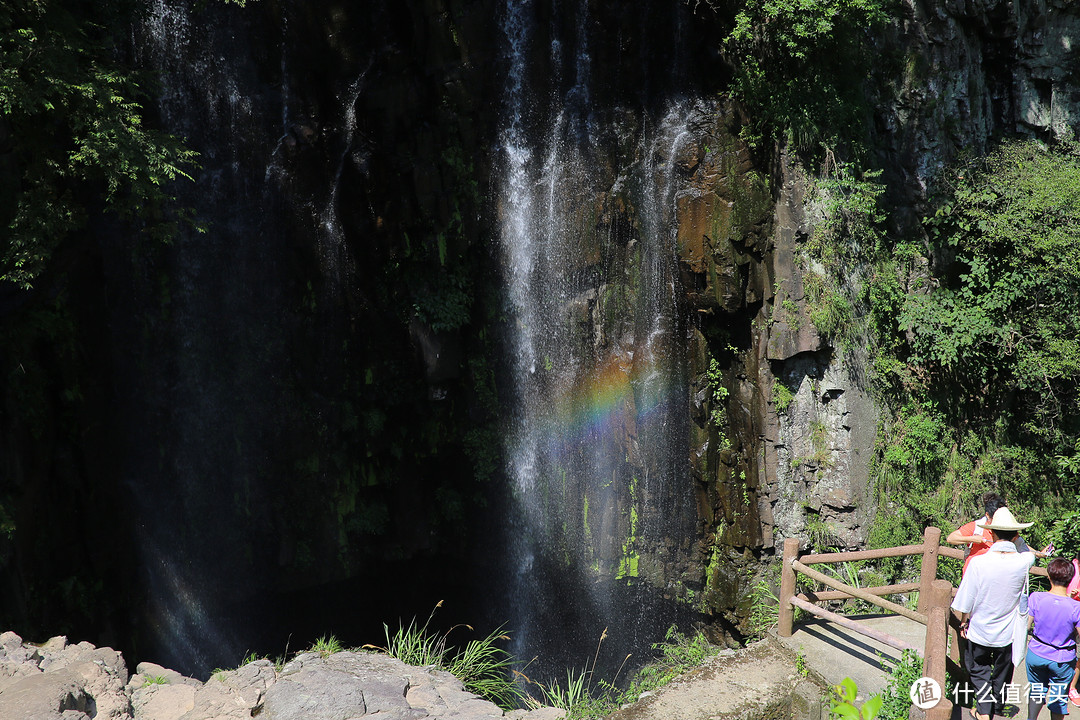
(787, 588)
(954, 637)
(935, 655)
(931, 543)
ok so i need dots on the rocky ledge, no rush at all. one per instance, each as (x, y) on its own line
(58, 680)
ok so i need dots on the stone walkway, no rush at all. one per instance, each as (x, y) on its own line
(835, 653)
(760, 681)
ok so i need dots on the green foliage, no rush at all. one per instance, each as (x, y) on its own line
(718, 397)
(481, 665)
(830, 312)
(801, 68)
(782, 397)
(847, 238)
(248, 659)
(1066, 536)
(980, 360)
(155, 680)
(677, 653)
(819, 533)
(843, 703)
(857, 575)
(1000, 326)
(568, 697)
(415, 645)
(484, 668)
(912, 451)
(850, 204)
(896, 700)
(80, 137)
(764, 610)
(326, 646)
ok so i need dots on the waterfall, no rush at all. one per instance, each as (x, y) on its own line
(598, 440)
(201, 353)
(248, 341)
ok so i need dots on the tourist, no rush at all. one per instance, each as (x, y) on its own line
(973, 536)
(1051, 652)
(987, 599)
(1074, 592)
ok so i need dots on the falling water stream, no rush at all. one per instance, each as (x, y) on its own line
(598, 439)
(598, 443)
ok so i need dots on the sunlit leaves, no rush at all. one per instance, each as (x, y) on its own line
(79, 137)
(800, 65)
(1006, 304)
(993, 332)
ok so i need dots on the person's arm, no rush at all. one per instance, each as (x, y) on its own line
(956, 538)
(964, 620)
(965, 598)
(1022, 546)
(961, 536)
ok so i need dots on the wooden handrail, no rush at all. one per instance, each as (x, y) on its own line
(859, 593)
(952, 552)
(936, 654)
(816, 558)
(816, 596)
(855, 626)
(933, 610)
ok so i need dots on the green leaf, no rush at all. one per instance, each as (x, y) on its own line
(847, 690)
(846, 711)
(872, 707)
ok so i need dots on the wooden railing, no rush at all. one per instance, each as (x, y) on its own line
(941, 647)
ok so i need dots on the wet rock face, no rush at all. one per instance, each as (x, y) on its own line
(964, 73)
(762, 474)
(790, 456)
(820, 454)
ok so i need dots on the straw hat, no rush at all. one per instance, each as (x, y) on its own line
(1003, 520)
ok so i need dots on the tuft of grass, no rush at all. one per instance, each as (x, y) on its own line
(482, 666)
(895, 700)
(250, 658)
(765, 611)
(782, 397)
(326, 646)
(577, 693)
(583, 698)
(155, 680)
(565, 697)
(415, 645)
(800, 663)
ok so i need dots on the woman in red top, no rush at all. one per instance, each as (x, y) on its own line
(972, 535)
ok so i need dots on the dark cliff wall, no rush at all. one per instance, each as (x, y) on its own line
(259, 430)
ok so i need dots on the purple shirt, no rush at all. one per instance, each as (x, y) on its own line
(1056, 618)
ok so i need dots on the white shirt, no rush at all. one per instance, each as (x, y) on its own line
(990, 591)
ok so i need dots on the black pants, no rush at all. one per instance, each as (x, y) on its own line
(989, 669)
